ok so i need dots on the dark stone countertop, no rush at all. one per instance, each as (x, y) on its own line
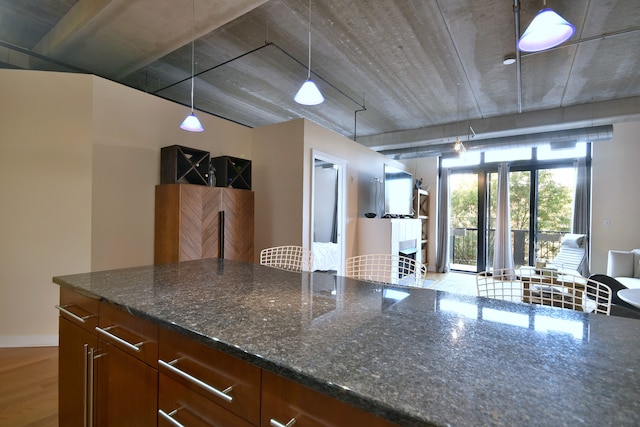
(413, 356)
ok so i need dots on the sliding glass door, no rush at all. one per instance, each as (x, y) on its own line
(541, 205)
(463, 236)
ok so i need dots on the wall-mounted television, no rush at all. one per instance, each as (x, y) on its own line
(398, 192)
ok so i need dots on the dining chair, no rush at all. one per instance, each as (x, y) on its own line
(546, 287)
(566, 290)
(386, 268)
(503, 284)
(291, 258)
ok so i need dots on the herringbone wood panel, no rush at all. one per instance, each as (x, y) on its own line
(211, 207)
(198, 234)
(238, 232)
(191, 223)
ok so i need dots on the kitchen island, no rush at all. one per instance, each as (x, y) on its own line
(407, 355)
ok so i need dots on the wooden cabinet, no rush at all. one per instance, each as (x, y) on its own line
(126, 392)
(77, 344)
(211, 383)
(287, 403)
(196, 222)
(421, 208)
(126, 369)
(117, 369)
(180, 404)
(106, 365)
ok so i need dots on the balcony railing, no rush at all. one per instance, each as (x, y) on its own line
(464, 246)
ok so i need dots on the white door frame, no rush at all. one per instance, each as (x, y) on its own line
(341, 199)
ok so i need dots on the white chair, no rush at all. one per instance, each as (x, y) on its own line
(567, 290)
(291, 258)
(572, 256)
(546, 287)
(503, 284)
(386, 268)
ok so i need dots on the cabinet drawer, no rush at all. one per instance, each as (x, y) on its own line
(133, 335)
(79, 309)
(211, 373)
(284, 400)
(190, 408)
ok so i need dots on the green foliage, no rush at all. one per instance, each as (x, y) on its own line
(555, 202)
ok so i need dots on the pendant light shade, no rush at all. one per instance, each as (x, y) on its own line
(547, 30)
(309, 94)
(191, 122)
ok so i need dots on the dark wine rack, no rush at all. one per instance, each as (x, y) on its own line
(232, 172)
(184, 165)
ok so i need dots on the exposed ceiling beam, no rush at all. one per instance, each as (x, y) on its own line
(579, 116)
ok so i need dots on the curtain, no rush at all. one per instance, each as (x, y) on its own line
(442, 243)
(581, 209)
(502, 252)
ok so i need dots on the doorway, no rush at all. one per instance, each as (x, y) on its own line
(328, 213)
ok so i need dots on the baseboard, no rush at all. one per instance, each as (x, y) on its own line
(7, 341)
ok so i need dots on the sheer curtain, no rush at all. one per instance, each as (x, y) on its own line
(502, 252)
(581, 208)
(442, 244)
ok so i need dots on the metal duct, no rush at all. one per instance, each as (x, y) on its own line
(560, 138)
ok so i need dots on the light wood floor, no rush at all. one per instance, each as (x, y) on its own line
(29, 387)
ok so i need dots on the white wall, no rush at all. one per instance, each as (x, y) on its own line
(283, 164)
(45, 198)
(129, 128)
(616, 174)
(79, 159)
(277, 171)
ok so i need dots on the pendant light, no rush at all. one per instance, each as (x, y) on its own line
(309, 94)
(547, 30)
(191, 122)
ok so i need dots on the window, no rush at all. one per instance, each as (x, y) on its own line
(542, 186)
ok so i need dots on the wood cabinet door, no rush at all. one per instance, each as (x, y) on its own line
(188, 221)
(75, 394)
(127, 390)
(284, 401)
(238, 206)
(226, 381)
(178, 403)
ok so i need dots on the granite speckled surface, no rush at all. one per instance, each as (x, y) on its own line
(413, 356)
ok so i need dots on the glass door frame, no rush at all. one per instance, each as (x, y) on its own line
(533, 165)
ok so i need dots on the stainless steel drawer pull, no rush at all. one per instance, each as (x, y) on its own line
(63, 309)
(224, 394)
(105, 331)
(169, 417)
(275, 423)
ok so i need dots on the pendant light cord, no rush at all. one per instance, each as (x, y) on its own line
(193, 55)
(309, 68)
